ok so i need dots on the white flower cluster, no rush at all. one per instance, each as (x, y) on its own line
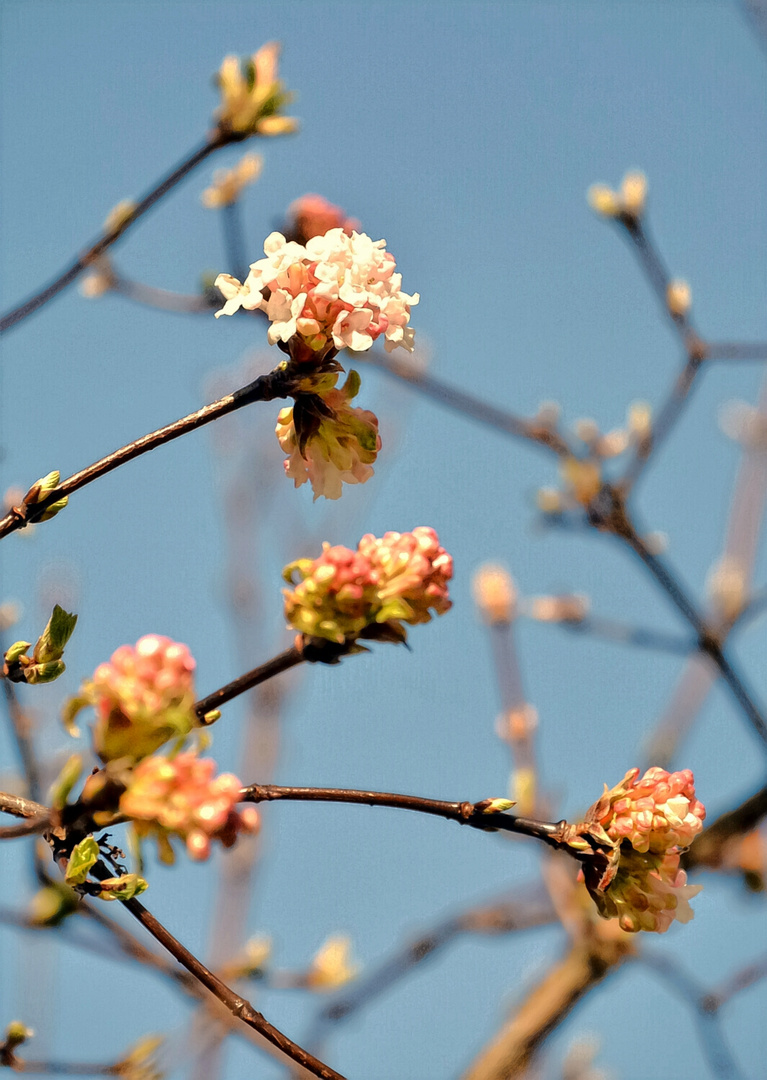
(338, 288)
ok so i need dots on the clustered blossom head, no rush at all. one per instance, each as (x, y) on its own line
(343, 595)
(181, 796)
(252, 99)
(644, 825)
(142, 697)
(336, 292)
(313, 215)
(228, 184)
(328, 442)
(654, 813)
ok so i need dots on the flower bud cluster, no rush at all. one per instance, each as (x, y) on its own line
(252, 99)
(643, 826)
(313, 215)
(228, 184)
(654, 813)
(328, 442)
(398, 578)
(181, 796)
(335, 292)
(142, 697)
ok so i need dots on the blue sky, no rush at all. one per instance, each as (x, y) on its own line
(466, 134)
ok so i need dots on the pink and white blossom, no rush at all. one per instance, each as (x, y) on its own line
(337, 290)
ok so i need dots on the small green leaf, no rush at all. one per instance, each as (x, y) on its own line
(54, 509)
(43, 673)
(65, 781)
(84, 856)
(123, 888)
(16, 650)
(72, 707)
(50, 644)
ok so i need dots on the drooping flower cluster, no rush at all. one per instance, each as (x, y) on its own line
(142, 697)
(643, 826)
(344, 594)
(228, 184)
(328, 442)
(252, 99)
(336, 292)
(313, 215)
(181, 796)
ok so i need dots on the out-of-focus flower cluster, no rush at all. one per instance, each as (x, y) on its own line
(332, 965)
(343, 595)
(627, 204)
(181, 796)
(252, 95)
(313, 215)
(582, 472)
(142, 697)
(336, 292)
(328, 442)
(642, 826)
(229, 183)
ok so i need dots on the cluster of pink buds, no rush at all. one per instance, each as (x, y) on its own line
(181, 796)
(142, 697)
(656, 813)
(329, 442)
(336, 292)
(343, 595)
(643, 826)
(313, 215)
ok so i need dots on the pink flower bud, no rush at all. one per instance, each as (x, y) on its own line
(656, 813)
(181, 796)
(632, 840)
(342, 595)
(142, 697)
(313, 215)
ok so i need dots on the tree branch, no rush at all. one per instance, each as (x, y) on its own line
(264, 388)
(215, 141)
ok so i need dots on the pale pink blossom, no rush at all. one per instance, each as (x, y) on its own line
(181, 796)
(142, 697)
(654, 813)
(312, 215)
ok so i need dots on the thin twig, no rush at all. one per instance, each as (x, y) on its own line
(239, 1007)
(264, 388)
(511, 1051)
(521, 911)
(708, 643)
(164, 299)
(468, 405)
(215, 141)
(717, 1053)
(20, 727)
(736, 350)
(31, 827)
(21, 807)
(283, 662)
(465, 813)
(708, 848)
(231, 222)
